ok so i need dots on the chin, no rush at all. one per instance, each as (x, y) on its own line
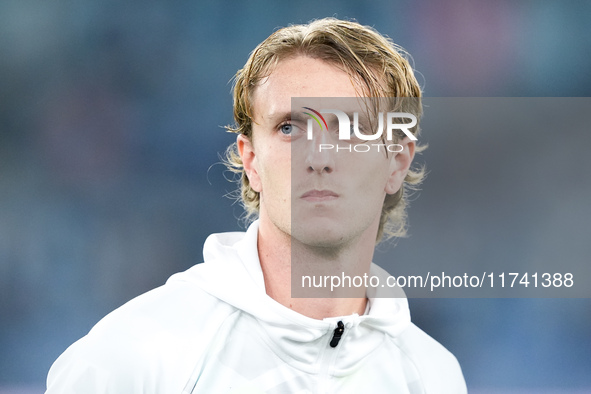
(317, 235)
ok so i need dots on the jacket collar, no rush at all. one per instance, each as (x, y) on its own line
(232, 273)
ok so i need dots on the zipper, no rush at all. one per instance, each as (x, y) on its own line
(338, 333)
(329, 358)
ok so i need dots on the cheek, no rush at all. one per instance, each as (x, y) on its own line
(274, 168)
(374, 172)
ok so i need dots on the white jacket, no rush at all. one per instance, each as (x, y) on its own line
(213, 329)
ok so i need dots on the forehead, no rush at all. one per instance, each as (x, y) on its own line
(300, 77)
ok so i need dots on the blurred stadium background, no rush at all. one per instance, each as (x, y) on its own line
(110, 135)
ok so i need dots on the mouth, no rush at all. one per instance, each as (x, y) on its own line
(319, 196)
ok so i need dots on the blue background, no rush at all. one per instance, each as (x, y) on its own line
(111, 116)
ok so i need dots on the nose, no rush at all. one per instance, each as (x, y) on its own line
(320, 156)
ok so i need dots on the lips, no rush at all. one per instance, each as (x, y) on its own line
(319, 195)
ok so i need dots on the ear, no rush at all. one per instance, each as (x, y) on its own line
(249, 161)
(400, 164)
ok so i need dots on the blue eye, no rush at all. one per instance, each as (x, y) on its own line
(286, 129)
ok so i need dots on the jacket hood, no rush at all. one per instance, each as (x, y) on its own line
(232, 273)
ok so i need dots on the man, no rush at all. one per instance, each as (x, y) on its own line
(235, 323)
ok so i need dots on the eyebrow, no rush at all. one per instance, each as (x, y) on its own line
(300, 116)
(286, 115)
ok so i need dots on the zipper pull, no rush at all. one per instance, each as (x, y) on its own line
(338, 333)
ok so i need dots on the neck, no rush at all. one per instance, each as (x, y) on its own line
(284, 261)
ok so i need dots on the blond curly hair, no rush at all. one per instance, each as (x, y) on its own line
(362, 52)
